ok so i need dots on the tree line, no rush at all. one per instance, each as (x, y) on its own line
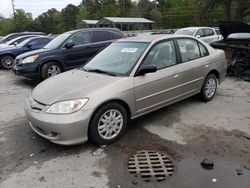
(166, 14)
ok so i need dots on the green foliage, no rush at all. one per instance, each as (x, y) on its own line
(166, 14)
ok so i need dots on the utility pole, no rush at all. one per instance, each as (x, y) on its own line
(14, 13)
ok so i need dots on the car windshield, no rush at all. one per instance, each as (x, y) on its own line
(6, 38)
(117, 59)
(56, 42)
(17, 40)
(185, 32)
(23, 43)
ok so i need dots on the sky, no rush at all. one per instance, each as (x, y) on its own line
(36, 7)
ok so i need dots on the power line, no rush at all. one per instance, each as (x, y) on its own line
(14, 12)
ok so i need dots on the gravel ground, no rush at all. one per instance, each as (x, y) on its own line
(187, 132)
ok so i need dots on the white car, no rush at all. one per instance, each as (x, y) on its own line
(207, 34)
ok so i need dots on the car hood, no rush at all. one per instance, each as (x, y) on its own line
(34, 52)
(229, 27)
(4, 45)
(73, 84)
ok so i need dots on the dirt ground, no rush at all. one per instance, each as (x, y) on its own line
(187, 132)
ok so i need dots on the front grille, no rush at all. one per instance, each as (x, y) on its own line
(35, 105)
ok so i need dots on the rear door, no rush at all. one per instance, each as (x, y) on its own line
(80, 52)
(194, 57)
(154, 90)
(210, 35)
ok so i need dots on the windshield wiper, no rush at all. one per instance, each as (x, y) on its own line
(99, 71)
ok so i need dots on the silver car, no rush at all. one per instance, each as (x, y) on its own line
(128, 79)
(207, 34)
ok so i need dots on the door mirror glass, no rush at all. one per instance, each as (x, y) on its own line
(69, 45)
(144, 69)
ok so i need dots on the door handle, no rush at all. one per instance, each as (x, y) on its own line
(176, 76)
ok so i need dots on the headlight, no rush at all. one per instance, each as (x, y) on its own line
(67, 107)
(30, 59)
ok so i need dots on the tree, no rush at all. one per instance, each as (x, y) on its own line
(69, 17)
(24, 21)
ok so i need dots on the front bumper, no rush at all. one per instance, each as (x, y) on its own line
(67, 129)
(29, 71)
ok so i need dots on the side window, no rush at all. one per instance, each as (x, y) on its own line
(33, 42)
(81, 38)
(115, 35)
(99, 36)
(162, 55)
(189, 49)
(200, 33)
(203, 49)
(208, 32)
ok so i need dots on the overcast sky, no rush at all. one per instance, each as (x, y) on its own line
(36, 7)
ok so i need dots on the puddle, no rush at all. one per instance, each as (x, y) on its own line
(167, 133)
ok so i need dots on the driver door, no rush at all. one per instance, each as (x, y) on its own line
(157, 89)
(80, 52)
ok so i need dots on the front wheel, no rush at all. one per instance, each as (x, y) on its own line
(7, 61)
(108, 123)
(209, 88)
(50, 69)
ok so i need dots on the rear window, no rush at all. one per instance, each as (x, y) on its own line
(99, 36)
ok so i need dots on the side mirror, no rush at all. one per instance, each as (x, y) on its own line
(198, 36)
(29, 46)
(15, 43)
(144, 69)
(69, 45)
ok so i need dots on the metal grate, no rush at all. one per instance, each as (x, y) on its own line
(150, 166)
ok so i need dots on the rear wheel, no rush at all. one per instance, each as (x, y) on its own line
(50, 69)
(7, 61)
(209, 88)
(108, 123)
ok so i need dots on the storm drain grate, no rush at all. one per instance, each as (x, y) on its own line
(150, 166)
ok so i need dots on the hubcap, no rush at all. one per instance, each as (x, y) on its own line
(53, 70)
(7, 62)
(210, 87)
(110, 124)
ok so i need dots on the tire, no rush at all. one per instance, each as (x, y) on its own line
(7, 61)
(103, 132)
(50, 69)
(209, 88)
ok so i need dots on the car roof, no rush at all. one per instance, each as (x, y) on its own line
(152, 38)
(194, 28)
(94, 29)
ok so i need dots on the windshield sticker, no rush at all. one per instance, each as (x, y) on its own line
(129, 50)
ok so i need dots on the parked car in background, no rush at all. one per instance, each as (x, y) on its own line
(16, 41)
(67, 51)
(14, 35)
(7, 55)
(206, 34)
(236, 44)
(128, 79)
